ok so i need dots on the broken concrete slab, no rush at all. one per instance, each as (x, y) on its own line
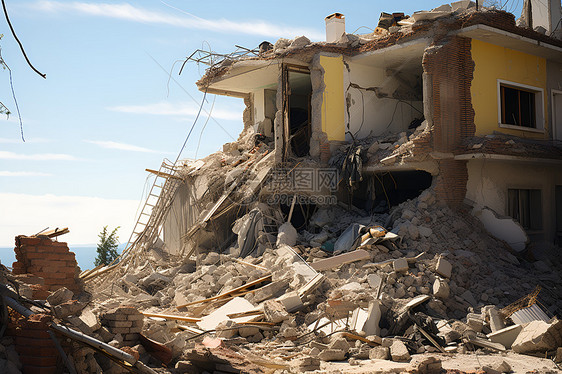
(345, 258)
(441, 289)
(400, 265)
(275, 311)
(332, 355)
(379, 353)
(443, 267)
(506, 336)
(236, 305)
(399, 352)
(60, 296)
(538, 336)
(503, 228)
(496, 321)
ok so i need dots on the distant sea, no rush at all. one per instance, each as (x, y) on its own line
(85, 255)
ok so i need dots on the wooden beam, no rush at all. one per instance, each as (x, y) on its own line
(162, 174)
(171, 316)
(54, 233)
(228, 293)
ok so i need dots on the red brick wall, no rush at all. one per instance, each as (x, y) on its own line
(450, 67)
(49, 260)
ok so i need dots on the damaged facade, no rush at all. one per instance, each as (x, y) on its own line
(382, 211)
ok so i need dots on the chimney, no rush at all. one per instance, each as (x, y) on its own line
(335, 27)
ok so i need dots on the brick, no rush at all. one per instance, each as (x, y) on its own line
(119, 323)
(39, 361)
(135, 317)
(34, 342)
(30, 369)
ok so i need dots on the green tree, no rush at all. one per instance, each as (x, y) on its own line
(107, 247)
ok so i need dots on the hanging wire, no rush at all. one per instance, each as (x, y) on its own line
(3, 63)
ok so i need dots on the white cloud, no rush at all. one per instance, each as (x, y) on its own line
(129, 12)
(120, 146)
(19, 141)
(170, 109)
(5, 155)
(23, 174)
(84, 216)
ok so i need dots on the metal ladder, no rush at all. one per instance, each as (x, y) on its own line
(156, 206)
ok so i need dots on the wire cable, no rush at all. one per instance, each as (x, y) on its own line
(205, 125)
(17, 40)
(192, 126)
(3, 63)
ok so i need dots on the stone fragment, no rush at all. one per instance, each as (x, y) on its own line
(425, 365)
(505, 336)
(538, 336)
(444, 267)
(339, 343)
(332, 355)
(379, 353)
(271, 290)
(246, 331)
(425, 231)
(287, 234)
(291, 301)
(441, 289)
(558, 358)
(302, 365)
(226, 329)
(467, 296)
(399, 352)
(400, 265)
(62, 295)
(68, 308)
(275, 311)
(496, 321)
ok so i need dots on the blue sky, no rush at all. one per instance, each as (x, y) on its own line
(107, 109)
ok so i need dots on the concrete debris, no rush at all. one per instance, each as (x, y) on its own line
(400, 268)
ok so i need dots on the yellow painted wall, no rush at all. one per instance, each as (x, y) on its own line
(493, 62)
(333, 101)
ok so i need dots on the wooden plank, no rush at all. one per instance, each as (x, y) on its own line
(171, 316)
(228, 293)
(100, 272)
(54, 233)
(374, 343)
(190, 329)
(245, 314)
(345, 258)
(162, 174)
(252, 265)
(311, 286)
(430, 338)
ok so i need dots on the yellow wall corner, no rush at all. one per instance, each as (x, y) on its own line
(333, 100)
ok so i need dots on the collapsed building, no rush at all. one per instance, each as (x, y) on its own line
(393, 203)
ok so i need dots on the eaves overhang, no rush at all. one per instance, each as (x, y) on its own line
(511, 40)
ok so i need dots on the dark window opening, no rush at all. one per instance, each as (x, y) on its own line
(518, 107)
(524, 206)
(385, 190)
(298, 94)
(558, 199)
(301, 214)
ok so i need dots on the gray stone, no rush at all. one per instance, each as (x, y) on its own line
(379, 353)
(443, 267)
(399, 352)
(441, 289)
(271, 290)
(467, 296)
(339, 343)
(275, 311)
(246, 331)
(400, 264)
(60, 296)
(332, 355)
(538, 336)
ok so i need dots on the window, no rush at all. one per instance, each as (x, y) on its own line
(520, 106)
(524, 205)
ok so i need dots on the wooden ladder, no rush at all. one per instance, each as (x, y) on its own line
(158, 201)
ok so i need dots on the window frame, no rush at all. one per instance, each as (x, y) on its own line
(539, 106)
(536, 219)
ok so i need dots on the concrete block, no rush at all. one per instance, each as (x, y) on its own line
(291, 301)
(444, 267)
(400, 265)
(496, 321)
(271, 290)
(379, 353)
(287, 234)
(467, 296)
(60, 296)
(441, 289)
(344, 258)
(399, 352)
(275, 311)
(371, 326)
(236, 305)
(246, 331)
(332, 355)
(506, 336)
(538, 336)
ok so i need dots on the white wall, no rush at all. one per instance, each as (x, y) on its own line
(489, 180)
(376, 114)
(259, 107)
